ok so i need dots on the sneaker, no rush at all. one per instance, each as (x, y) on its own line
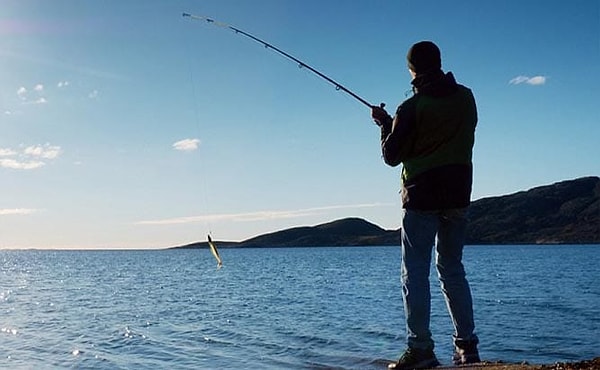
(414, 358)
(465, 353)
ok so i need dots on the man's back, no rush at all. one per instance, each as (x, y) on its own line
(433, 138)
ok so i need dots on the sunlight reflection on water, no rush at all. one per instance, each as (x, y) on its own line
(282, 308)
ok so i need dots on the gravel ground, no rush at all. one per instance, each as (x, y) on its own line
(581, 365)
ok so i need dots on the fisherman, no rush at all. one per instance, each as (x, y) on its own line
(432, 134)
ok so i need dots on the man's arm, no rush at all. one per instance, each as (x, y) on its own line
(397, 141)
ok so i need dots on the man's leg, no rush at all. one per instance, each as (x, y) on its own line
(418, 237)
(451, 273)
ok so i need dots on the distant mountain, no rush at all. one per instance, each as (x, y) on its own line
(345, 232)
(566, 212)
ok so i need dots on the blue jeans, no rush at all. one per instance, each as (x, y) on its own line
(420, 231)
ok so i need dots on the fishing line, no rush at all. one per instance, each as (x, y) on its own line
(267, 45)
(207, 222)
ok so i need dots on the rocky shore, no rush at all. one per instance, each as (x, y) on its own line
(593, 364)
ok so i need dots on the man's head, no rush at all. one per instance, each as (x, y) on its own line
(424, 57)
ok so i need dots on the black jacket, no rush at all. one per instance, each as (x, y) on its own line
(432, 135)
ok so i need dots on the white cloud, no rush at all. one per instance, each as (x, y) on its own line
(40, 100)
(535, 80)
(20, 165)
(17, 211)
(40, 94)
(22, 92)
(518, 80)
(30, 158)
(6, 152)
(256, 216)
(46, 151)
(39, 97)
(187, 145)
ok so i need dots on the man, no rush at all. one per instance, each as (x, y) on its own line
(432, 135)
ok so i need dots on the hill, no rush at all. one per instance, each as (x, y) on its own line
(345, 232)
(566, 212)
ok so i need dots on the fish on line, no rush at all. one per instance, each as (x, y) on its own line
(215, 252)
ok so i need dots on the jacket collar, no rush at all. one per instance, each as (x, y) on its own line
(434, 83)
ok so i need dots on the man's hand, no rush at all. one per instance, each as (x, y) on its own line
(381, 117)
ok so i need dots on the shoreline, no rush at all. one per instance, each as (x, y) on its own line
(593, 364)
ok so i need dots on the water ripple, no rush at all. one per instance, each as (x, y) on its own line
(319, 308)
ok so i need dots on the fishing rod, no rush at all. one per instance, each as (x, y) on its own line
(301, 64)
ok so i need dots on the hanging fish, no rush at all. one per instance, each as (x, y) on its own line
(215, 252)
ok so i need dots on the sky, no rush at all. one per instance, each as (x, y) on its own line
(124, 125)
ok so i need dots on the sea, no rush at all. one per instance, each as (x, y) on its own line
(283, 308)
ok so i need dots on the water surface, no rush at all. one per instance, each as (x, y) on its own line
(295, 308)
